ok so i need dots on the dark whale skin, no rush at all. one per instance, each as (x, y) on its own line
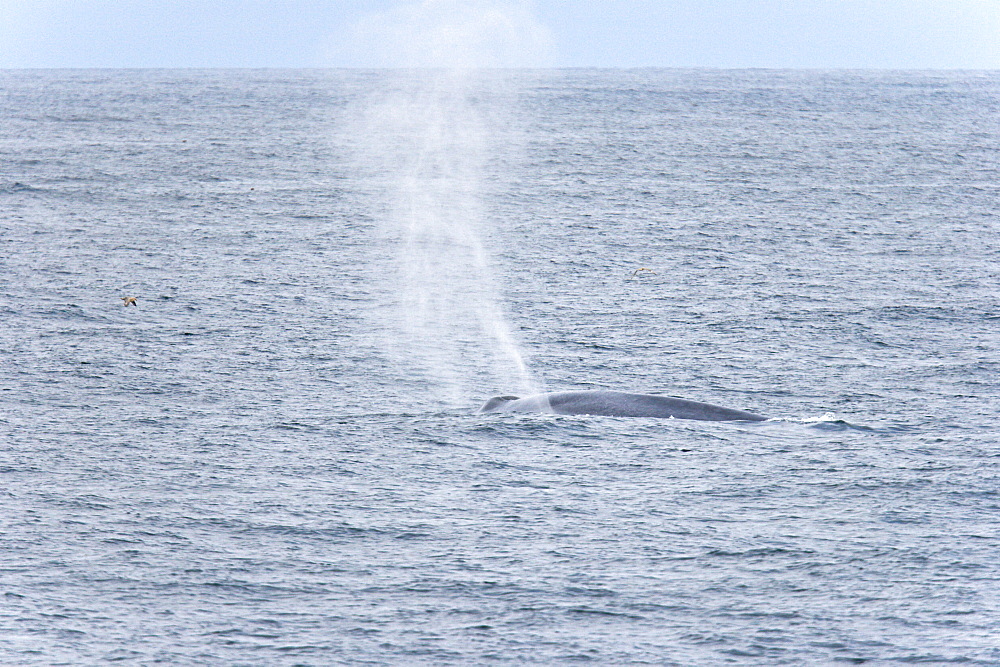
(617, 404)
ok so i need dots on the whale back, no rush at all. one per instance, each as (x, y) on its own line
(617, 404)
(497, 403)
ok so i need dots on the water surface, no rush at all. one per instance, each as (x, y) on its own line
(264, 463)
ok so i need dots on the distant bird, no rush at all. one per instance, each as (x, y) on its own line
(129, 301)
(638, 271)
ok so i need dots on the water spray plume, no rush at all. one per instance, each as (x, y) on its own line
(428, 138)
(453, 34)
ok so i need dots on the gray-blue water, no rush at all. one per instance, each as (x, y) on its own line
(269, 461)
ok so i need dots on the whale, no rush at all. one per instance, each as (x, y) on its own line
(616, 404)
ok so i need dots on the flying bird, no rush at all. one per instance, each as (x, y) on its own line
(129, 301)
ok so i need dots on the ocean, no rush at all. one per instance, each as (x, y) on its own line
(275, 456)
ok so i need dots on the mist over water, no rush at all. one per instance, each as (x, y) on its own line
(452, 34)
(425, 137)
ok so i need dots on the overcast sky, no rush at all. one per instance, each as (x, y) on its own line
(910, 34)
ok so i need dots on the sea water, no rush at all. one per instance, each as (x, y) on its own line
(267, 461)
